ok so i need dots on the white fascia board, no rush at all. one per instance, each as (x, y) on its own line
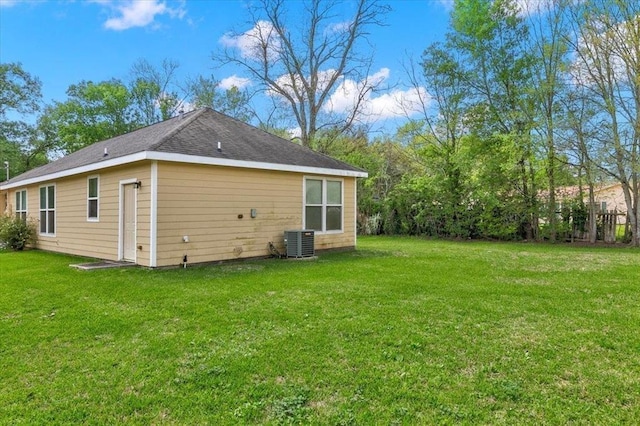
(183, 158)
(194, 159)
(79, 170)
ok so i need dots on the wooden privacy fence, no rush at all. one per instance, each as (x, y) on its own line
(606, 227)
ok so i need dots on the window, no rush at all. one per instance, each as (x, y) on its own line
(21, 204)
(48, 210)
(323, 205)
(93, 187)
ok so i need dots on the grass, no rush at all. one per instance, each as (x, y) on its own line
(402, 331)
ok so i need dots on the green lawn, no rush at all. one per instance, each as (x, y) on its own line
(402, 331)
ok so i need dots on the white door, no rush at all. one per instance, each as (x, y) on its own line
(129, 222)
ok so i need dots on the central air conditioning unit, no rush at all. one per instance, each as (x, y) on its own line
(299, 243)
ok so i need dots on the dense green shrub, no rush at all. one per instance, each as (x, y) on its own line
(17, 233)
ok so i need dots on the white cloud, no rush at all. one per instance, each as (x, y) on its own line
(395, 103)
(138, 13)
(339, 27)
(293, 83)
(528, 8)
(11, 3)
(234, 81)
(253, 42)
(448, 4)
(372, 107)
(295, 132)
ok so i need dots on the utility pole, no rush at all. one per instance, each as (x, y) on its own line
(6, 166)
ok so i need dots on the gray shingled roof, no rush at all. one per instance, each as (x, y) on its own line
(196, 133)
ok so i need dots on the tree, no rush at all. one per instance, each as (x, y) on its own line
(438, 137)
(155, 91)
(93, 112)
(579, 129)
(548, 43)
(489, 38)
(19, 90)
(206, 92)
(607, 51)
(158, 94)
(20, 97)
(301, 59)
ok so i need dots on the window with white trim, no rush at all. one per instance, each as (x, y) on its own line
(21, 204)
(48, 210)
(323, 205)
(93, 190)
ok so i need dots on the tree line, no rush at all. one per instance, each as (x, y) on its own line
(95, 111)
(516, 104)
(520, 104)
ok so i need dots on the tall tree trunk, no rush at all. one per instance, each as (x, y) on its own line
(593, 225)
(551, 181)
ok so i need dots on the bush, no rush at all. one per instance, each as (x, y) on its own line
(16, 233)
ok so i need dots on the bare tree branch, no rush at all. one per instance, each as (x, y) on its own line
(303, 64)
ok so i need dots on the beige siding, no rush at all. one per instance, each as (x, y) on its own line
(4, 205)
(204, 203)
(348, 237)
(75, 234)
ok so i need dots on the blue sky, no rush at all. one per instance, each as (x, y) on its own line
(65, 42)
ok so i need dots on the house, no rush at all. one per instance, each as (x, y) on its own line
(609, 198)
(199, 187)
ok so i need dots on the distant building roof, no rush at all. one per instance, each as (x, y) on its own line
(193, 137)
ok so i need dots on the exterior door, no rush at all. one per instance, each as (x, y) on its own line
(128, 240)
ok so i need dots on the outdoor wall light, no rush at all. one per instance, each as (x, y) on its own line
(138, 185)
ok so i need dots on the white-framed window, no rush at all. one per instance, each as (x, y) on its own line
(323, 204)
(21, 204)
(93, 194)
(48, 210)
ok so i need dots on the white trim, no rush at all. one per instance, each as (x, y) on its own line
(183, 158)
(355, 212)
(194, 159)
(120, 195)
(25, 196)
(80, 170)
(47, 209)
(97, 198)
(324, 204)
(153, 233)
(121, 185)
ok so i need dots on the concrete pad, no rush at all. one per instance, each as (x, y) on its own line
(103, 264)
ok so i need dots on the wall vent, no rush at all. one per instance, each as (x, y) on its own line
(299, 243)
